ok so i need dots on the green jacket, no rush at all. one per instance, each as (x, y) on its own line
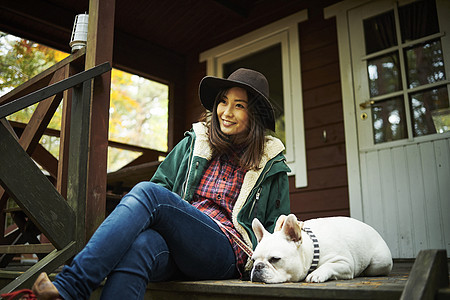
(264, 193)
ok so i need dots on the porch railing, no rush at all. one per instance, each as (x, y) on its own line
(43, 206)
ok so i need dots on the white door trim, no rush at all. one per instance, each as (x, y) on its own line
(339, 11)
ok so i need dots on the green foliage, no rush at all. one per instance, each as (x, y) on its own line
(21, 60)
(138, 115)
(138, 109)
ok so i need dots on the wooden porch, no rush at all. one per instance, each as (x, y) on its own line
(327, 193)
(425, 278)
(400, 284)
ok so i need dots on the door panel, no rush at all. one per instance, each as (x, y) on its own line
(406, 194)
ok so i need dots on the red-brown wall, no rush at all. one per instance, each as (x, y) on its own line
(327, 191)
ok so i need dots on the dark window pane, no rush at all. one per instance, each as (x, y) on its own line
(418, 19)
(389, 120)
(425, 64)
(379, 32)
(429, 111)
(384, 74)
(268, 62)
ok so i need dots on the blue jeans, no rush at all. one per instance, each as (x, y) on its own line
(152, 235)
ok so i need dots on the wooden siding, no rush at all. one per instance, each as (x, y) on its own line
(194, 109)
(327, 190)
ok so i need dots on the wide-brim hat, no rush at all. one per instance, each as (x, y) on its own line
(253, 81)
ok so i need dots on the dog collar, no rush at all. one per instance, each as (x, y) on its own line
(316, 255)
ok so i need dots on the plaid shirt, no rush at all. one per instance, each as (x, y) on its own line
(216, 195)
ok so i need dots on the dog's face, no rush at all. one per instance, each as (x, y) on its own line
(277, 257)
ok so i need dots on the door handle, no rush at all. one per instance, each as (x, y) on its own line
(367, 104)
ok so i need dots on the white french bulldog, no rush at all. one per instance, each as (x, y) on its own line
(347, 248)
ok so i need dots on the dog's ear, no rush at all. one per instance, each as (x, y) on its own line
(291, 229)
(258, 229)
(280, 222)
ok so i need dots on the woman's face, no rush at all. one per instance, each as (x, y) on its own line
(232, 112)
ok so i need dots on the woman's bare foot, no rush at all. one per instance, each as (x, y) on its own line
(44, 289)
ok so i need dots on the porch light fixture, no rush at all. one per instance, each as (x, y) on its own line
(79, 32)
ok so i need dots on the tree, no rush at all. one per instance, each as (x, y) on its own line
(21, 60)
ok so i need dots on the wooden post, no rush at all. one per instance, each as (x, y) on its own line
(428, 274)
(61, 183)
(78, 157)
(99, 49)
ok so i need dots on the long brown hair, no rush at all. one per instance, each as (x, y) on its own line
(252, 143)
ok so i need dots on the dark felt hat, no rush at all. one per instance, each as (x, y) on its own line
(250, 80)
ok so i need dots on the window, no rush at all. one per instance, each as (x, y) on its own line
(268, 62)
(406, 74)
(274, 51)
(138, 116)
(138, 109)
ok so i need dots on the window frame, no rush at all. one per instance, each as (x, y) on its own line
(285, 33)
(405, 91)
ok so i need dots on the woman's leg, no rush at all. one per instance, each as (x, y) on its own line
(148, 259)
(198, 247)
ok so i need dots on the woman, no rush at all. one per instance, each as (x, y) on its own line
(186, 223)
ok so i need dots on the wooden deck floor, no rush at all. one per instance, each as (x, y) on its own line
(388, 287)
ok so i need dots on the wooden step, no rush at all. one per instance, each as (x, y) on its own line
(26, 249)
(235, 289)
(12, 210)
(385, 287)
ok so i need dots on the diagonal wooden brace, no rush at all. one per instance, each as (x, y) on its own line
(49, 263)
(33, 192)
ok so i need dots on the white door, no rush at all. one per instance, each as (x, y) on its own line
(400, 55)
